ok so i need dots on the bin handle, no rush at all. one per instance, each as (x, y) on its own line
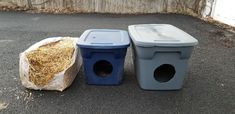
(116, 55)
(183, 55)
(103, 43)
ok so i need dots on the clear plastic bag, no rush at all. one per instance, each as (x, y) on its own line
(61, 80)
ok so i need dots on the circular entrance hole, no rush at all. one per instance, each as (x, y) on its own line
(164, 73)
(103, 68)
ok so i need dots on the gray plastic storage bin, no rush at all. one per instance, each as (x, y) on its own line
(160, 54)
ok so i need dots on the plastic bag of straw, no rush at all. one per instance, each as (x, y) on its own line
(51, 64)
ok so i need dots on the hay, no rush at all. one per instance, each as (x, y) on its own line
(48, 60)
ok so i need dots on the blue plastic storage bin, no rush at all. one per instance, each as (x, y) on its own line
(103, 52)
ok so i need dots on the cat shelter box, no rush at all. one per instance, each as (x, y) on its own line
(103, 52)
(160, 54)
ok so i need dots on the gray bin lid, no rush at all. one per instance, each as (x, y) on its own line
(150, 35)
(104, 39)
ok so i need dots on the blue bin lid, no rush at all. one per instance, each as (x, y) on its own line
(104, 39)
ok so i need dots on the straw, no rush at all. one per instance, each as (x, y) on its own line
(48, 60)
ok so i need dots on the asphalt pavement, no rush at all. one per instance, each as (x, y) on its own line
(209, 85)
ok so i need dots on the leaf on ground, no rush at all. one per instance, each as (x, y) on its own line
(3, 105)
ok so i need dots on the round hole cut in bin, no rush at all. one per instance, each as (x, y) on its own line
(103, 68)
(103, 52)
(161, 53)
(164, 73)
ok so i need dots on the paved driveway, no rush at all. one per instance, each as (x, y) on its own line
(209, 84)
